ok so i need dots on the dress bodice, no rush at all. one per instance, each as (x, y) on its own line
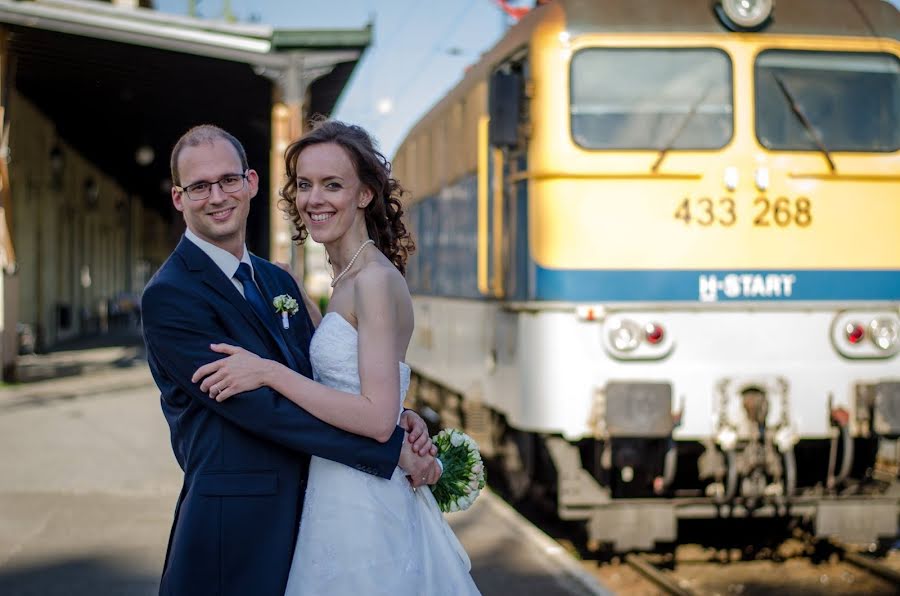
(335, 359)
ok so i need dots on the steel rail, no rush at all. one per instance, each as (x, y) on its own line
(648, 570)
(872, 566)
(861, 561)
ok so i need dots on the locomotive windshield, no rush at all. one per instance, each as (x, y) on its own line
(660, 99)
(850, 100)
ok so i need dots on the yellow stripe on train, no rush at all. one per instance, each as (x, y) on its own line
(659, 224)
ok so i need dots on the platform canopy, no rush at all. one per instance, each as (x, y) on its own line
(116, 80)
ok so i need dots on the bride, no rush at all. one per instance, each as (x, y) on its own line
(358, 534)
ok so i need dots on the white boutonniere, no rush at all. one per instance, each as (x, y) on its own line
(286, 306)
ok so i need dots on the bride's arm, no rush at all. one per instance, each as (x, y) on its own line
(374, 412)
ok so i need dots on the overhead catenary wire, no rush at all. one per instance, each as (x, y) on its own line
(441, 39)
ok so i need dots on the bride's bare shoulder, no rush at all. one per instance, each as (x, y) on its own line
(381, 285)
(378, 276)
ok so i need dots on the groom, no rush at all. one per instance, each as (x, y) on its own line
(245, 460)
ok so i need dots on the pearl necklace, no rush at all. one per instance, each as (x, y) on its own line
(350, 264)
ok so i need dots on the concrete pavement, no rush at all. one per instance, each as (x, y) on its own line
(88, 485)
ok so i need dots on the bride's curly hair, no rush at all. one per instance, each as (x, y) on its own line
(384, 212)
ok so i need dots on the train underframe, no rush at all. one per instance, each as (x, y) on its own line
(631, 489)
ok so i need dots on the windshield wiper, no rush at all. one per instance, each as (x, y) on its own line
(801, 116)
(681, 126)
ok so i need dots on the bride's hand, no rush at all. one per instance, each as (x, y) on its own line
(420, 469)
(240, 371)
(418, 433)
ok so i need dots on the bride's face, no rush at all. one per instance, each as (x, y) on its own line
(330, 197)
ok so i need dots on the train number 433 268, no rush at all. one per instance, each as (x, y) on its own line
(781, 212)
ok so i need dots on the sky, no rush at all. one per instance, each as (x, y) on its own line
(419, 50)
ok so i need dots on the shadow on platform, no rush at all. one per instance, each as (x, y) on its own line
(81, 576)
(119, 348)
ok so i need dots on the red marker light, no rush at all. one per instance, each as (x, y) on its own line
(855, 332)
(654, 333)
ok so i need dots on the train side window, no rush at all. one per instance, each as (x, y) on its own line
(504, 105)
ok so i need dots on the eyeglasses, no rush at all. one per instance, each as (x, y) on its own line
(201, 190)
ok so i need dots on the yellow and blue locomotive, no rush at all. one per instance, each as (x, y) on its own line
(658, 268)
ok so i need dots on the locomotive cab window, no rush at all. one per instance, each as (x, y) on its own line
(651, 98)
(850, 101)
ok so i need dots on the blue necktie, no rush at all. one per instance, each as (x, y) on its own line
(254, 297)
(265, 311)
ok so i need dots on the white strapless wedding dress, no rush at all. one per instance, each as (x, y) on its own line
(361, 535)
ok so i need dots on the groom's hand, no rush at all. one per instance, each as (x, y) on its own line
(418, 433)
(419, 468)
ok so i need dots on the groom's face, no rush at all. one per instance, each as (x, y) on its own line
(221, 217)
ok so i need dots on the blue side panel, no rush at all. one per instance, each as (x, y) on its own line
(716, 285)
(445, 228)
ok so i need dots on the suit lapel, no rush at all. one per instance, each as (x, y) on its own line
(197, 261)
(216, 280)
(266, 285)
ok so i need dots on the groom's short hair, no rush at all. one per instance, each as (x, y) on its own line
(204, 133)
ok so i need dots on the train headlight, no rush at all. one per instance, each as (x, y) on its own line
(635, 337)
(625, 335)
(884, 333)
(866, 334)
(745, 15)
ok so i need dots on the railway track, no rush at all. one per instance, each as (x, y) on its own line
(737, 559)
(667, 578)
(796, 563)
(866, 563)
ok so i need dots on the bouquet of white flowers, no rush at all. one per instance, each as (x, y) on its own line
(463, 476)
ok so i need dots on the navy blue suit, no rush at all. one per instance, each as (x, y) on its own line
(245, 461)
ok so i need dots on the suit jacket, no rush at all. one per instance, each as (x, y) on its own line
(245, 460)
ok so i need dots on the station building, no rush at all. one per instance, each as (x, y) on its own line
(93, 96)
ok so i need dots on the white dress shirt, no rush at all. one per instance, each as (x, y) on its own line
(226, 261)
